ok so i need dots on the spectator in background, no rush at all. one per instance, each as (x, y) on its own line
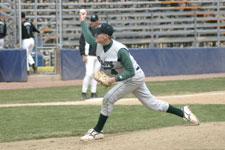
(3, 33)
(28, 40)
(91, 62)
(169, 4)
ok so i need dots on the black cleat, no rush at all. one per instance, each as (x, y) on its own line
(34, 68)
(93, 95)
(84, 95)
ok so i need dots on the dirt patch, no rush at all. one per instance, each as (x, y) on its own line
(200, 98)
(207, 136)
(41, 81)
(217, 97)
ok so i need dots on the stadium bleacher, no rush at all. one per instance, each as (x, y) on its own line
(138, 24)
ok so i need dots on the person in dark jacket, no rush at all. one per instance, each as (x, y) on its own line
(91, 62)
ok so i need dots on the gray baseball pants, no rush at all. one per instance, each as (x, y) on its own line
(137, 86)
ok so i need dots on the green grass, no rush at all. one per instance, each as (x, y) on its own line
(73, 93)
(23, 123)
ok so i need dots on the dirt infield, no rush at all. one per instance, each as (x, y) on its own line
(217, 97)
(41, 81)
(207, 136)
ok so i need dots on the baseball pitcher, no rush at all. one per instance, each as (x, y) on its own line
(121, 67)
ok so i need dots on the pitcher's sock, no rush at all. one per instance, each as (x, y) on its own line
(101, 122)
(176, 111)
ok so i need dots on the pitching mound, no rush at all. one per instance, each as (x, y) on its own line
(205, 136)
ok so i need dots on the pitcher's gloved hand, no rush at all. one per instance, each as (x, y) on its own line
(102, 78)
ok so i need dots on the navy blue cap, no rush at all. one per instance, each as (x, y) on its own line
(105, 28)
(94, 17)
(23, 15)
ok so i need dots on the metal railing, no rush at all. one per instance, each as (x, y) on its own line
(183, 23)
(156, 24)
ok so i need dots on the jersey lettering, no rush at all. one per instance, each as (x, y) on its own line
(28, 29)
(106, 64)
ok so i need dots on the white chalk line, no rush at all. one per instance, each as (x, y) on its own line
(99, 100)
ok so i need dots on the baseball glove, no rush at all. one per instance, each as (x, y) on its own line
(102, 78)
